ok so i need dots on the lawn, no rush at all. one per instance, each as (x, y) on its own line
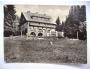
(42, 51)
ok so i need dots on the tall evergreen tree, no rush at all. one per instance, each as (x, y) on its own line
(82, 13)
(9, 16)
(58, 23)
(73, 23)
(82, 26)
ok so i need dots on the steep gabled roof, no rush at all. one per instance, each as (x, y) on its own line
(28, 17)
(29, 14)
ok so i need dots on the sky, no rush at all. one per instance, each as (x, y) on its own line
(51, 10)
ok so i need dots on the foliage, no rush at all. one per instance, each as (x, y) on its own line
(59, 26)
(75, 22)
(9, 16)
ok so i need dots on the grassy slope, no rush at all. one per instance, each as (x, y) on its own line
(36, 51)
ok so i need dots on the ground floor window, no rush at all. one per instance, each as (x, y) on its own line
(33, 34)
(40, 34)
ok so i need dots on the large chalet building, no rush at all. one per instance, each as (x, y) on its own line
(36, 24)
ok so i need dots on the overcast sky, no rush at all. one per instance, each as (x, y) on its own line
(52, 10)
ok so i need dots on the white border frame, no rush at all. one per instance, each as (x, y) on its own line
(4, 65)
